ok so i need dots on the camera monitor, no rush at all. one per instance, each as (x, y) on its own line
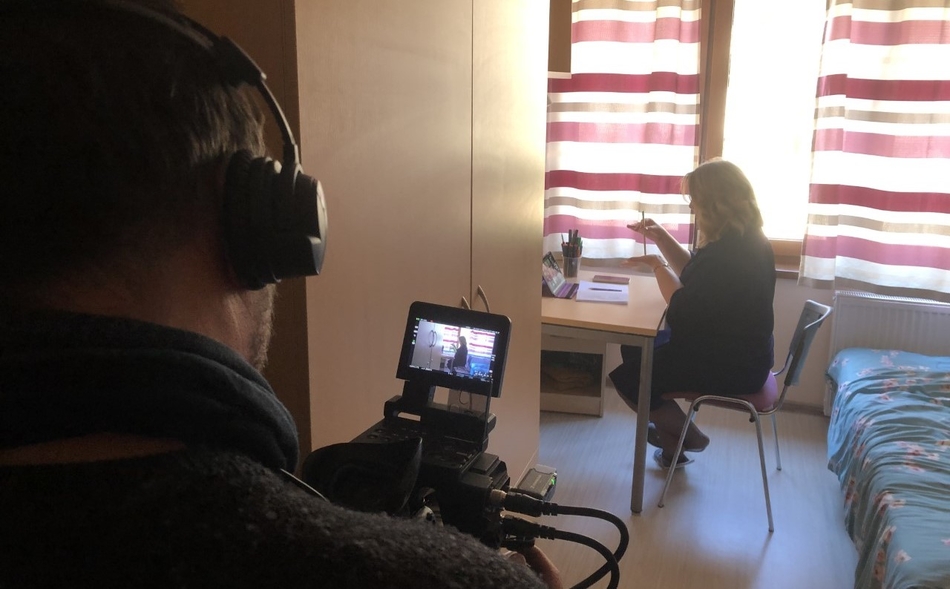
(454, 348)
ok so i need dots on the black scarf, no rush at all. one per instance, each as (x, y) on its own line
(64, 375)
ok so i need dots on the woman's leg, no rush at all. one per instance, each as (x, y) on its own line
(666, 415)
(669, 419)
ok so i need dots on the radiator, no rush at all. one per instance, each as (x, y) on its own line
(864, 320)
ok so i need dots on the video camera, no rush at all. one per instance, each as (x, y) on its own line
(428, 459)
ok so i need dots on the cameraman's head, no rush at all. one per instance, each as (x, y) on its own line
(115, 135)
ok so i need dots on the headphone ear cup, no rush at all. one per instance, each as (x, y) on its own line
(248, 215)
(300, 243)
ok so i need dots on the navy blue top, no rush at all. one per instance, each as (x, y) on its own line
(719, 339)
(721, 320)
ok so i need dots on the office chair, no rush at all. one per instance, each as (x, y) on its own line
(766, 402)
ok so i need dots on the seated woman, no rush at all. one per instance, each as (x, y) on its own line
(719, 318)
(461, 355)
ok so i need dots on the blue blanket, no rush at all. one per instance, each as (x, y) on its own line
(889, 444)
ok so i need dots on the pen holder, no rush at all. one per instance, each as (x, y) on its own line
(571, 266)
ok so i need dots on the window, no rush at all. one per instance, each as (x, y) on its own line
(769, 82)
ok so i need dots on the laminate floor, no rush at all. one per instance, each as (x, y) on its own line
(712, 532)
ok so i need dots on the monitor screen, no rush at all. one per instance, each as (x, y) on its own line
(454, 348)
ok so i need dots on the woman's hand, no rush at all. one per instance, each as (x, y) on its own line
(673, 255)
(649, 229)
(652, 260)
(666, 277)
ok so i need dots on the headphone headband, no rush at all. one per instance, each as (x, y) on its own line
(237, 66)
(274, 216)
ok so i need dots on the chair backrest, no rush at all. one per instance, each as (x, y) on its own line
(813, 315)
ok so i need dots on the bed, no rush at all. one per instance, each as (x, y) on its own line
(889, 445)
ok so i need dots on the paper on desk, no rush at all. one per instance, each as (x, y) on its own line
(599, 292)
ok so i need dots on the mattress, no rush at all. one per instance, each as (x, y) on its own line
(889, 445)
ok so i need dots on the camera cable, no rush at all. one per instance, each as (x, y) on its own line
(523, 532)
(525, 504)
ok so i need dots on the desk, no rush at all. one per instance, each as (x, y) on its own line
(632, 324)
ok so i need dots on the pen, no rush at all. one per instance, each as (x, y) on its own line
(574, 245)
(608, 289)
(643, 219)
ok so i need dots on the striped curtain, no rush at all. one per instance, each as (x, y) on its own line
(622, 129)
(879, 202)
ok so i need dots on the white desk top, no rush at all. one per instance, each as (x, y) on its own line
(640, 316)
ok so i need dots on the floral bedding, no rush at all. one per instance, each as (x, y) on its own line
(889, 444)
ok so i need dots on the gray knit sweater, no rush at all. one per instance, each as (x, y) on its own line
(202, 518)
(218, 514)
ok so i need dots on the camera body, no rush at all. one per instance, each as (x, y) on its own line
(426, 457)
(455, 474)
(421, 460)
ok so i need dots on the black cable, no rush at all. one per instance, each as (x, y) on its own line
(605, 515)
(524, 529)
(527, 505)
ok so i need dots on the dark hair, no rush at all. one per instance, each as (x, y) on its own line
(110, 127)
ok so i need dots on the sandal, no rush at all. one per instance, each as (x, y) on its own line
(664, 462)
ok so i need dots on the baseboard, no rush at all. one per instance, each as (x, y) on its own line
(803, 408)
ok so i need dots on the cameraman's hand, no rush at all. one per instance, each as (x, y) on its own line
(539, 563)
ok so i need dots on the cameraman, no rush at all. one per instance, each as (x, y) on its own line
(139, 444)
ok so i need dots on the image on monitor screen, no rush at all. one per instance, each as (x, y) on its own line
(455, 348)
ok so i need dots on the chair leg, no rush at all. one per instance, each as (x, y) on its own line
(778, 452)
(679, 450)
(765, 478)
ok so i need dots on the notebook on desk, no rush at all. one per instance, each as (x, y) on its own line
(603, 293)
(553, 283)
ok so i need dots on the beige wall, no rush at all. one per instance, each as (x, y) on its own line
(387, 128)
(425, 123)
(508, 151)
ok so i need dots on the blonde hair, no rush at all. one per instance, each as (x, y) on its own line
(722, 199)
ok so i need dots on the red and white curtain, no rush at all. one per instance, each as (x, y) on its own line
(622, 129)
(879, 202)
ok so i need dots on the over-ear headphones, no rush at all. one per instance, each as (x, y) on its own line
(274, 215)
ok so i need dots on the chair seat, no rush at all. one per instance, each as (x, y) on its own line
(763, 401)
